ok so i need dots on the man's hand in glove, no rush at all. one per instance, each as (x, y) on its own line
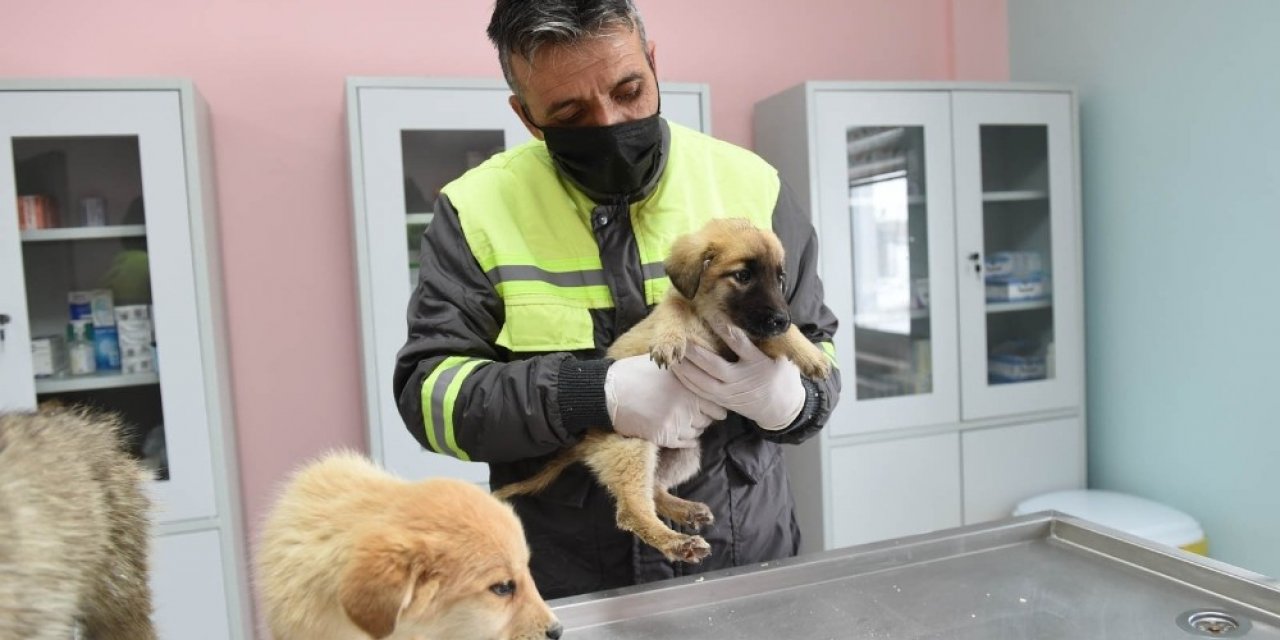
(756, 387)
(648, 402)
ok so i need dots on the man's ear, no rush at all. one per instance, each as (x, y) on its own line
(518, 108)
(380, 578)
(689, 258)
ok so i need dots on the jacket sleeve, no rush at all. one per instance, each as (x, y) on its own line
(809, 313)
(461, 394)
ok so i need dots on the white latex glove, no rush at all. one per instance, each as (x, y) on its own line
(646, 401)
(756, 387)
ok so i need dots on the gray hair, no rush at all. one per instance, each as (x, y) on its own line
(520, 27)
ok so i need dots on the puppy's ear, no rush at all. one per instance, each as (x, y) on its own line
(379, 578)
(689, 258)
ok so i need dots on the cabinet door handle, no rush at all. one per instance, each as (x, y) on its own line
(976, 259)
(4, 322)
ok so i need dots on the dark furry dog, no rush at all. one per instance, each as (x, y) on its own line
(73, 530)
(727, 273)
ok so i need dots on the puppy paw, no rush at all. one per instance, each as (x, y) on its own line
(668, 350)
(691, 549)
(812, 363)
(699, 516)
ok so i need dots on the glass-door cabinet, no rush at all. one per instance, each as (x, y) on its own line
(949, 244)
(1016, 234)
(885, 189)
(408, 138)
(110, 298)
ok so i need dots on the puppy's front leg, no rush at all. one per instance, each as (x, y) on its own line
(673, 325)
(813, 363)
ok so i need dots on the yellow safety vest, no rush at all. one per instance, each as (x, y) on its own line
(530, 230)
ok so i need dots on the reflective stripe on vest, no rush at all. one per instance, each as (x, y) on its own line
(829, 349)
(439, 394)
(531, 233)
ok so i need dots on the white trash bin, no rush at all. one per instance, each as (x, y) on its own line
(1130, 514)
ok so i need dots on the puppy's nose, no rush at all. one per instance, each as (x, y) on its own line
(555, 630)
(776, 323)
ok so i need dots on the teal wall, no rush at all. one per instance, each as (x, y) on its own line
(1180, 147)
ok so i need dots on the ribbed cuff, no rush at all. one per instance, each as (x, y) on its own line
(581, 399)
(812, 402)
(807, 423)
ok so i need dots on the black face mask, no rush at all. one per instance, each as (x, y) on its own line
(614, 161)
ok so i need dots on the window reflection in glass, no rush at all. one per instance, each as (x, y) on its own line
(889, 210)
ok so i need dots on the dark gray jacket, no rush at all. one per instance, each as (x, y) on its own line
(518, 411)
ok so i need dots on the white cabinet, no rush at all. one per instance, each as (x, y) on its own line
(107, 212)
(950, 252)
(408, 138)
(1005, 465)
(886, 240)
(894, 488)
(189, 588)
(1016, 197)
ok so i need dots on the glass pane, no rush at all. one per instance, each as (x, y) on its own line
(889, 211)
(84, 251)
(1018, 262)
(431, 160)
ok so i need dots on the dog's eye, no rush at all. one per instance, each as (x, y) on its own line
(504, 589)
(743, 276)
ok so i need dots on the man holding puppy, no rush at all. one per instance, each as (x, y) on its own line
(542, 256)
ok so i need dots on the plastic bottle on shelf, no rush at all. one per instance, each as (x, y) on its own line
(80, 347)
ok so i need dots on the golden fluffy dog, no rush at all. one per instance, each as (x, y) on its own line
(73, 529)
(350, 552)
(727, 273)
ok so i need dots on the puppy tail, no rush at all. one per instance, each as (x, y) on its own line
(538, 481)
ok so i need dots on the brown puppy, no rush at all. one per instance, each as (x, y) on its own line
(350, 552)
(727, 273)
(73, 529)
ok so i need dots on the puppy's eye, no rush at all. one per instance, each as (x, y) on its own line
(743, 276)
(504, 589)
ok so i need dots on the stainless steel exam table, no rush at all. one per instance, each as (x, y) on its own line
(1041, 576)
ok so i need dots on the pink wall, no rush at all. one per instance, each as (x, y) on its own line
(273, 75)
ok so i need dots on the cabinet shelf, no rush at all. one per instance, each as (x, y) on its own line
(85, 233)
(882, 361)
(1026, 305)
(419, 218)
(872, 320)
(95, 381)
(1014, 196)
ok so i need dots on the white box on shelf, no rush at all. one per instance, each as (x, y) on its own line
(1016, 290)
(48, 355)
(1014, 264)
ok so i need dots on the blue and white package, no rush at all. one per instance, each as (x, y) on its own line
(1017, 361)
(1013, 265)
(1017, 289)
(106, 348)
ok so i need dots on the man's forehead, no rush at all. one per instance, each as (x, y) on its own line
(614, 52)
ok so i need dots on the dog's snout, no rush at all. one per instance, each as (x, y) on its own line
(776, 323)
(555, 630)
